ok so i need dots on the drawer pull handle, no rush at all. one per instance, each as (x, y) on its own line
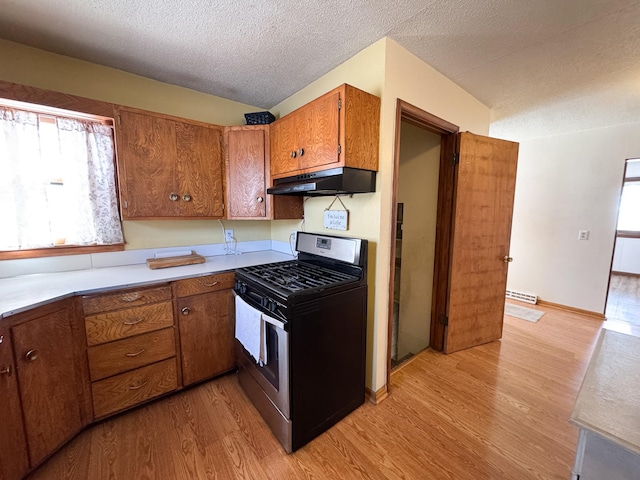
(31, 355)
(131, 297)
(6, 371)
(135, 322)
(210, 284)
(135, 354)
(137, 387)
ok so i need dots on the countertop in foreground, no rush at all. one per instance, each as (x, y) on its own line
(18, 294)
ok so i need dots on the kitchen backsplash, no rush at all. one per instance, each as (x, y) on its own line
(29, 266)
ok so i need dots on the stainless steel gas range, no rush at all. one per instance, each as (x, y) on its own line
(300, 336)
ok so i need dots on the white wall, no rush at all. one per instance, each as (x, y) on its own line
(567, 183)
(627, 255)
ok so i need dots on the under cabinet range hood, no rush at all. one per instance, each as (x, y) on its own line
(335, 181)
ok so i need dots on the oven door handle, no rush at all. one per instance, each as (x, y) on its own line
(273, 321)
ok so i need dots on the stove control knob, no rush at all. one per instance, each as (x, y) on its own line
(272, 306)
(243, 287)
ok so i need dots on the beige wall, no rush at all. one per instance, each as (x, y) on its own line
(418, 191)
(390, 71)
(30, 66)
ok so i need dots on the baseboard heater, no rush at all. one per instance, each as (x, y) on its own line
(522, 297)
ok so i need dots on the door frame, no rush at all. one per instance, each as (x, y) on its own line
(446, 194)
(616, 235)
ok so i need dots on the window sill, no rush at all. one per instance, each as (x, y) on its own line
(59, 251)
(627, 234)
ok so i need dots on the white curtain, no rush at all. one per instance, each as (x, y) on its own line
(78, 156)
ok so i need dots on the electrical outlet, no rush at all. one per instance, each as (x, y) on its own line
(583, 234)
(228, 235)
(294, 238)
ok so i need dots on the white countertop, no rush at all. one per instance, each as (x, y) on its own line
(608, 403)
(21, 293)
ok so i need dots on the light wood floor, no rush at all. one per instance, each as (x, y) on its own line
(497, 411)
(623, 302)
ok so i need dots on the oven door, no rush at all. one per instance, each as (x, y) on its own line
(272, 377)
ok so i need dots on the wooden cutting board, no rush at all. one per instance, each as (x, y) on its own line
(155, 263)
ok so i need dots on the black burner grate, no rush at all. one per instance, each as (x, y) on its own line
(296, 276)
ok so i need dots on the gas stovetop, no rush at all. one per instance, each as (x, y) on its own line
(295, 276)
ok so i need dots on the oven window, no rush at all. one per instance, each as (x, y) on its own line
(270, 370)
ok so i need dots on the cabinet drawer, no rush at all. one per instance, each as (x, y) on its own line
(127, 389)
(109, 326)
(123, 355)
(124, 299)
(207, 283)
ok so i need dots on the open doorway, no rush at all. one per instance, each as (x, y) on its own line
(623, 299)
(416, 216)
(420, 139)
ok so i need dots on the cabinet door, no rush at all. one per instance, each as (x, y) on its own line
(318, 135)
(147, 165)
(246, 173)
(206, 335)
(284, 143)
(13, 447)
(200, 170)
(50, 386)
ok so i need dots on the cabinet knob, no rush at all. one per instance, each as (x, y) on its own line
(507, 259)
(260, 199)
(300, 152)
(31, 355)
(186, 198)
(174, 197)
(1, 338)
(293, 154)
(6, 371)
(185, 310)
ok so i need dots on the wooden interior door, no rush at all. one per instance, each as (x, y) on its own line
(481, 233)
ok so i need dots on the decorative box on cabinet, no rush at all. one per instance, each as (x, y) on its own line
(206, 323)
(338, 129)
(132, 350)
(168, 167)
(248, 177)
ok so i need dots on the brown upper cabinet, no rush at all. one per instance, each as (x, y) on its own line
(338, 129)
(248, 176)
(168, 167)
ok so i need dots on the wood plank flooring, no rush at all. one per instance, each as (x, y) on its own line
(498, 411)
(623, 302)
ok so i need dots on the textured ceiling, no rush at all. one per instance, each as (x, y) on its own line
(543, 66)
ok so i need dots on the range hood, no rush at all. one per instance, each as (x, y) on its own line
(335, 181)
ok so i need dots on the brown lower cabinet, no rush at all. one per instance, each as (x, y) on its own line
(68, 363)
(51, 379)
(13, 446)
(206, 325)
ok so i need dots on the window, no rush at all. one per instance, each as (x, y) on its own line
(629, 212)
(57, 180)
